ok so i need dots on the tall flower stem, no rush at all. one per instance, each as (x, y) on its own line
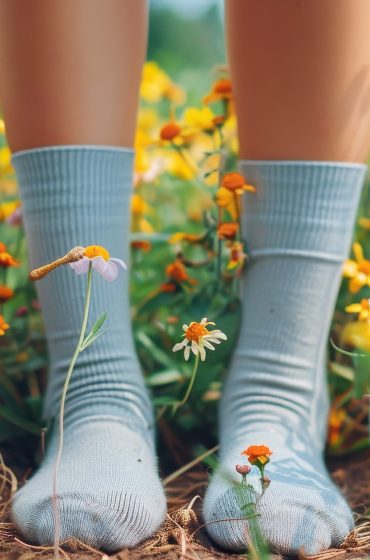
(57, 522)
(190, 386)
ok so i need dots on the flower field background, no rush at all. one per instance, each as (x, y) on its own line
(188, 259)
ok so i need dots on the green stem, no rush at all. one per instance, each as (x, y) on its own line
(61, 412)
(190, 386)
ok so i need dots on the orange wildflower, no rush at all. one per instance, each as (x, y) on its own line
(168, 287)
(3, 326)
(258, 455)
(143, 245)
(256, 451)
(177, 271)
(221, 91)
(337, 418)
(235, 182)
(5, 293)
(228, 230)
(177, 274)
(5, 258)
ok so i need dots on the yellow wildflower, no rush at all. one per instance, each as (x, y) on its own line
(5, 160)
(199, 118)
(357, 335)
(364, 222)
(139, 206)
(188, 237)
(361, 308)
(178, 166)
(8, 208)
(358, 270)
(156, 85)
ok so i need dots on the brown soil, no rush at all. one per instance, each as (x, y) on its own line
(183, 538)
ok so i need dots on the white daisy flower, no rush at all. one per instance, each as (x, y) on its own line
(101, 261)
(197, 338)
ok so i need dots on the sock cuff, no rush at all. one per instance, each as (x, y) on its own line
(49, 175)
(301, 206)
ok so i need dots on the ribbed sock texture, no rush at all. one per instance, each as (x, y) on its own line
(298, 227)
(109, 492)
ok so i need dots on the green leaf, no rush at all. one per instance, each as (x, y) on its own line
(90, 339)
(164, 378)
(93, 334)
(98, 324)
(158, 354)
(362, 375)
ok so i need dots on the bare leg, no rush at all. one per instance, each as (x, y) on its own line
(301, 72)
(70, 71)
(301, 76)
(70, 78)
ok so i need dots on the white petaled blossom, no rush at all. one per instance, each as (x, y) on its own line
(101, 261)
(197, 338)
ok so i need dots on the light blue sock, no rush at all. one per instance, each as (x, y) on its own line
(298, 227)
(109, 492)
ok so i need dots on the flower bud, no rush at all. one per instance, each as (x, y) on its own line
(243, 469)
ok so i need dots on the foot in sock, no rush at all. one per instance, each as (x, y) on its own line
(298, 227)
(109, 492)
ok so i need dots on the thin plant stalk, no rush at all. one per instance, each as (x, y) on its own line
(57, 528)
(190, 386)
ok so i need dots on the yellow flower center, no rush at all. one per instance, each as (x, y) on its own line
(195, 331)
(93, 251)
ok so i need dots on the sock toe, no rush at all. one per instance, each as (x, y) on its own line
(125, 524)
(292, 518)
(109, 492)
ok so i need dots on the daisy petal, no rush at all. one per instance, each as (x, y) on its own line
(99, 264)
(81, 266)
(187, 353)
(178, 346)
(194, 348)
(111, 272)
(208, 345)
(119, 262)
(202, 353)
